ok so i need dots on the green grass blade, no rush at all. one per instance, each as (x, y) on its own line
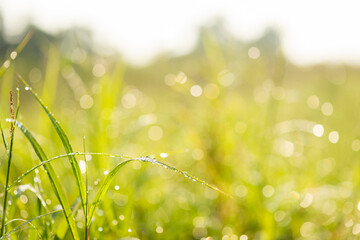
(103, 188)
(87, 194)
(58, 189)
(29, 221)
(106, 184)
(18, 50)
(7, 184)
(66, 143)
(18, 180)
(23, 220)
(62, 228)
(12, 134)
(3, 137)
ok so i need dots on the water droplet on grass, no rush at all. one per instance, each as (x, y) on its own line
(13, 55)
(318, 130)
(6, 64)
(82, 166)
(243, 237)
(159, 229)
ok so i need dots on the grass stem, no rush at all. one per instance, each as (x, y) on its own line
(2, 231)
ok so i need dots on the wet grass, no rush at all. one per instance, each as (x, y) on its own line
(282, 140)
(58, 189)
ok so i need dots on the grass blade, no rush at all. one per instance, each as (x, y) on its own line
(12, 131)
(18, 180)
(66, 143)
(29, 221)
(87, 236)
(106, 184)
(3, 137)
(23, 220)
(62, 228)
(58, 189)
(18, 50)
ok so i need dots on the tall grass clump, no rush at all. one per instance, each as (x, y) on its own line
(70, 209)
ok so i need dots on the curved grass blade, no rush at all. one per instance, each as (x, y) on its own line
(29, 221)
(106, 184)
(58, 189)
(23, 220)
(66, 143)
(18, 180)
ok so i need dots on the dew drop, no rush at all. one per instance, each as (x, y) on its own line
(159, 229)
(6, 64)
(13, 55)
(318, 130)
(244, 237)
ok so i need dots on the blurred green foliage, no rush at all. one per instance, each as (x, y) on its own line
(282, 139)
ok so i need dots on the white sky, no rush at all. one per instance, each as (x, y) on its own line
(312, 30)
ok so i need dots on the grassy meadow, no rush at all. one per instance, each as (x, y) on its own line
(281, 141)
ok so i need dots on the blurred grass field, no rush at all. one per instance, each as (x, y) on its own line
(283, 140)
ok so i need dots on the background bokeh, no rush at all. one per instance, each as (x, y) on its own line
(281, 138)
